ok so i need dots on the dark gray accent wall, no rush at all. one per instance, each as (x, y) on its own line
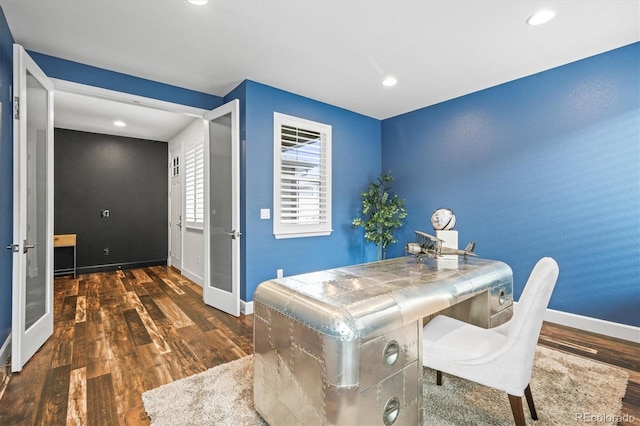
(127, 177)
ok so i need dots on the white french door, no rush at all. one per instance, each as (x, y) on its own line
(222, 208)
(32, 298)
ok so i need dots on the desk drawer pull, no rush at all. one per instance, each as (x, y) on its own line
(391, 353)
(391, 411)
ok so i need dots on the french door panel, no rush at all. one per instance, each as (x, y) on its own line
(222, 209)
(32, 295)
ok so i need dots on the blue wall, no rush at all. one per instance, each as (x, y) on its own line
(356, 152)
(6, 176)
(547, 165)
(105, 79)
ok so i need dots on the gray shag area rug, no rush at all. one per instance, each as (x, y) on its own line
(566, 389)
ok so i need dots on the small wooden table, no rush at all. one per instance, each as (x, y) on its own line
(65, 240)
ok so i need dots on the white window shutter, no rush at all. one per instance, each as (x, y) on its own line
(194, 186)
(302, 177)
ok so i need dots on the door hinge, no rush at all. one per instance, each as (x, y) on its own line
(15, 248)
(16, 107)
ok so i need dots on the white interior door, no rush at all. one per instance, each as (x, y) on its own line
(176, 210)
(222, 208)
(32, 303)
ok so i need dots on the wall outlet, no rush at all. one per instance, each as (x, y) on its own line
(106, 252)
(279, 273)
(104, 213)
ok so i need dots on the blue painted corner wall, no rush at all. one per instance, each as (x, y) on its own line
(356, 148)
(6, 175)
(547, 165)
(105, 79)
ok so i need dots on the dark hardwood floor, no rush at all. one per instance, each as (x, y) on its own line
(117, 335)
(121, 333)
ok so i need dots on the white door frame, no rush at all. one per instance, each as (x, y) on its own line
(25, 342)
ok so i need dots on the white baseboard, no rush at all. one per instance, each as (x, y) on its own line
(246, 307)
(594, 325)
(5, 350)
(193, 277)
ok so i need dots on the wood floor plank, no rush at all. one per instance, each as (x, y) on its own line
(197, 312)
(173, 312)
(97, 351)
(101, 402)
(140, 275)
(152, 289)
(133, 301)
(81, 309)
(203, 343)
(92, 301)
(136, 327)
(173, 286)
(79, 350)
(69, 308)
(62, 341)
(72, 287)
(182, 361)
(155, 370)
(152, 309)
(77, 403)
(127, 382)
(52, 408)
(152, 329)
(127, 283)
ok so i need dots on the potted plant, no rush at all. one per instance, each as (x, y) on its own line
(382, 213)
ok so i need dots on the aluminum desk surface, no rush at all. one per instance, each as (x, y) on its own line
(322, 339)
(399, 290)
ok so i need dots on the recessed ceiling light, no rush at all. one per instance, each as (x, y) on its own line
(389, 81)
(198, 2)
(119, 123)
(541, 17)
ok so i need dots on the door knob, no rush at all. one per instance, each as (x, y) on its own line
(28, 246)
(233, 234)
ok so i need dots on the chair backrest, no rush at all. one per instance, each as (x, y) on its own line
(524, 327)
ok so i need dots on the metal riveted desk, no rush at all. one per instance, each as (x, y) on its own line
(344, 346)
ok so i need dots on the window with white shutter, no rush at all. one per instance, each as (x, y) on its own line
(194, 186)
(302, 177)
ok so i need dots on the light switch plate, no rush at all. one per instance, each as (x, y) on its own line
(265, 213)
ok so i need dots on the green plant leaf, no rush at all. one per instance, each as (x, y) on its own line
(382, 213)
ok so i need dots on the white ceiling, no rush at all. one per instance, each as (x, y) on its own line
(334, 51)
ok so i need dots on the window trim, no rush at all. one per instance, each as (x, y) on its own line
(298, 230)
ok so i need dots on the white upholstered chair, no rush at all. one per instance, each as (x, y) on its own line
(500, 357)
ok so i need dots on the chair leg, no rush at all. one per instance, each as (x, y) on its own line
(438, 377)
(532, 407)
(516, 409)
